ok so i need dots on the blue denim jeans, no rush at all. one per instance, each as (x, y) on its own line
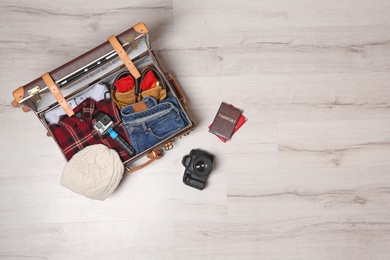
(148, 127)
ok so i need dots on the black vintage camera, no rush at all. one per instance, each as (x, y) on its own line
(198, 167)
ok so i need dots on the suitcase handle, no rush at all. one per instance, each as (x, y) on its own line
(153, 155)
(177, 87)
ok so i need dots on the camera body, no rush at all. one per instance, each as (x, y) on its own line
(198, 165)
(102, 123)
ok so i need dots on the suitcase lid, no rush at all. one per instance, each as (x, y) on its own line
(85, 70)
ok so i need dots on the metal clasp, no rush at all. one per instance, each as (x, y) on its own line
(168, 146)
(131, 39)
(35, 93)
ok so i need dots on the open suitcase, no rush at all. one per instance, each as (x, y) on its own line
(128, 52)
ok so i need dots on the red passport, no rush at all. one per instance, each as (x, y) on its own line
(241, 121)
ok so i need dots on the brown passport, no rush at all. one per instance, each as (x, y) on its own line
(225, 121)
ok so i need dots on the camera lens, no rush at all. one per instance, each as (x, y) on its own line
(202, 165)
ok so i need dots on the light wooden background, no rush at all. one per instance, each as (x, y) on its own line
(307, 177)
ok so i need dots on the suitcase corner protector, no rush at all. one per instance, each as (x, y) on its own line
(141, 28)
(18, 94)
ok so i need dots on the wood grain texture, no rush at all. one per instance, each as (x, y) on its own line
(306, 177)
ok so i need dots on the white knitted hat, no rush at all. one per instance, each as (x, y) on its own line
(94, 172)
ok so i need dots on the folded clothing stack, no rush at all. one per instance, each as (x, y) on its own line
(126, 90)
(149, 122)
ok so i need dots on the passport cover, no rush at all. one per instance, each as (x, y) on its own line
(241, 121)
(225, 121)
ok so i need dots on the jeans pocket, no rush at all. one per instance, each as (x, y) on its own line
(165, 126)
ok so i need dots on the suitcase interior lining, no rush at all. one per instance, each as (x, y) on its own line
(115, 67)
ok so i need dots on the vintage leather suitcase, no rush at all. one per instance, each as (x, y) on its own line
(129, 51)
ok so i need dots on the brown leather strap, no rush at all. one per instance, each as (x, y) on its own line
(154, 155)
(124, 57)
(57, 94)
(177, 87)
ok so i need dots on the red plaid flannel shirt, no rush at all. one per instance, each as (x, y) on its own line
(77, 132)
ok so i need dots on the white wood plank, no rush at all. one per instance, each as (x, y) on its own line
(306, 177)
(334, 143)
(96, 240)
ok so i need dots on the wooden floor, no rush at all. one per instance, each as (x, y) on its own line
(307, 177)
